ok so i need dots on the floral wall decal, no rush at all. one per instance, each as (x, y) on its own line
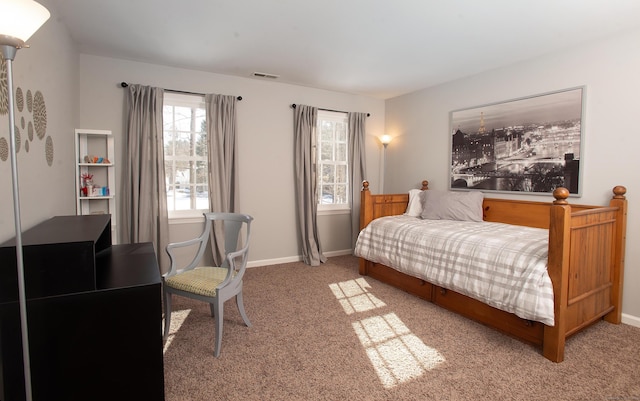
(39, 115)
(4, 149)
(4, 92)
(18, 139)
(33, 119)
(48, 151)
(19, 99)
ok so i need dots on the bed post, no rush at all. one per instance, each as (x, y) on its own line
(617, 270)
(366, 207)
(558, 268)
(366, 215)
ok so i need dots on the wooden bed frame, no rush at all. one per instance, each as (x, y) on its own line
(586, 264)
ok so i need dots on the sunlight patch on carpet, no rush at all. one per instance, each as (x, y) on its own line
(177, 318)
(396, 353)
(354, 296)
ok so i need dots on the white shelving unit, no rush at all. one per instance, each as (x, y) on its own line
(97, 143)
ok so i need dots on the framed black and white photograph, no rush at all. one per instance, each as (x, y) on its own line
(530, 144)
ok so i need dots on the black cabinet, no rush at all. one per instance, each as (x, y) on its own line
(94, 314)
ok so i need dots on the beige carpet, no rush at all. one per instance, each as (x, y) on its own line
(326, 333)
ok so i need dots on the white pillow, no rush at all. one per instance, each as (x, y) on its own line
(449, 205)
(414, 208)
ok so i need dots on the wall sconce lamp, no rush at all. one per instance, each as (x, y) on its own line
(20, 20)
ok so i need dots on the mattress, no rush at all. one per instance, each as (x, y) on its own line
(502, 265)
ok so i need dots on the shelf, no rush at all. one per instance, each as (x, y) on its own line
(95, 164)
(96, 143)
(96, 197)
(85, 131)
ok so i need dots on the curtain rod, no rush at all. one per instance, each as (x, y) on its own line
(293, 106)
(124, 85)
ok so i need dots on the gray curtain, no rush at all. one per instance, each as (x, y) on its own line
(144, 200)
(223, 163)
(357, 122)
(304, 126)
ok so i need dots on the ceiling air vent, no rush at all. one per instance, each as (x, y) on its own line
(265, 75)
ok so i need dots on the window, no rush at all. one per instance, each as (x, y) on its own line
(185, 154)
(332, 161)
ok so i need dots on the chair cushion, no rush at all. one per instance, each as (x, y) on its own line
(201, 280)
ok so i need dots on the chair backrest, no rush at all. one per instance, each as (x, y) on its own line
(236, 248)
(237, 231)
(232, 228)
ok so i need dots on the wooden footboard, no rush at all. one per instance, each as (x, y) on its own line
(586, 264)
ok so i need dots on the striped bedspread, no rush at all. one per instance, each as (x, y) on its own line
(502, 265)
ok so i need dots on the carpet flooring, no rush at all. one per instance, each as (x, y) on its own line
(327, 333)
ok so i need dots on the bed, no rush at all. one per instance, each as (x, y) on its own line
(584, 255)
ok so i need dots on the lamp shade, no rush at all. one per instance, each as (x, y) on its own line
(385, 139)
(21, 18)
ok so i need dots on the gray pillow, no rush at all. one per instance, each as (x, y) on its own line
(449, 205)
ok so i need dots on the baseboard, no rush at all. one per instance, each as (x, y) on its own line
(290, 259)
(631, 320)
(277, 261)
(338, 253)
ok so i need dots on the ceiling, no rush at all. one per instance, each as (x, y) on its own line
(377, 48)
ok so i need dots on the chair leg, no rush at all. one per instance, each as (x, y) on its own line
(167, 315)
(240, 302)
(218, 307)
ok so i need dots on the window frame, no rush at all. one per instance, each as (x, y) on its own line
(191, 101)
(339, 117)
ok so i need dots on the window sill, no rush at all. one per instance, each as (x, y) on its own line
(187, 217)
(327, 212)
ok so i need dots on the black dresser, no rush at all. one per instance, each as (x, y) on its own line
(94, 314)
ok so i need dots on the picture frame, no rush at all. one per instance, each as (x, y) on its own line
(527, 145)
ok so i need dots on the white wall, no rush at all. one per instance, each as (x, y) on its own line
(50, 66)
(609, 70)
(265, 130)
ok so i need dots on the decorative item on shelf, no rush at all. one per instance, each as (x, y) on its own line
(96, 160)
(87, 179)
(87, 184)
(96, 190)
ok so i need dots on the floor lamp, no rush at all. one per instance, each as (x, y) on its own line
(20, 20)
(384, 139)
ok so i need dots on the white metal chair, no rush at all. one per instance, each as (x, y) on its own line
(211, 284)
